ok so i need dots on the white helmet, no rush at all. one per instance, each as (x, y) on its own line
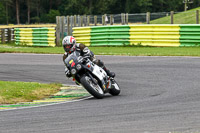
(69, 44)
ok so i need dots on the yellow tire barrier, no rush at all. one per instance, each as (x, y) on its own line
(142, 34)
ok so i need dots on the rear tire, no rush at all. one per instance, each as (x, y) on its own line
(115, 88)
(91, 87)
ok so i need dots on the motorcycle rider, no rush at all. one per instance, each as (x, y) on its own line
(69, 44)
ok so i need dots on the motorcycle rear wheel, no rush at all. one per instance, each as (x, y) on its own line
(91, 87)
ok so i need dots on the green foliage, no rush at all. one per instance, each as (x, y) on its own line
(2, 14)
(44, 11)
(50, 17)
(35, 19)
(144, 5)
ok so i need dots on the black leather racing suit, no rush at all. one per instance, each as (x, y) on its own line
(86, 53)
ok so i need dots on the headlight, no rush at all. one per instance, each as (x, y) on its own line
(73, 71)
(78, 67)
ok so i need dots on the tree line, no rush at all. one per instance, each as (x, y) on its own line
(45, 11)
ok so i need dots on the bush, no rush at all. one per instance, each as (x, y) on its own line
(50, 17)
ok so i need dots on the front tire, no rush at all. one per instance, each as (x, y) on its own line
(91, 87)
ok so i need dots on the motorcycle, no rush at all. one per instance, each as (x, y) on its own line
(92, 77)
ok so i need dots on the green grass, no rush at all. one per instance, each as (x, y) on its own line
(188, 17)
(10, 48)
(148, 51)
(128, 51)
(13, 92)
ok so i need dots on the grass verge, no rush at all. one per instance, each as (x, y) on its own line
(14, 92)
(187, 17)
(9, 48)
(148, 51)
(128, 50)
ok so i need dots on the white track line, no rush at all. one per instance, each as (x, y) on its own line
(77, 100)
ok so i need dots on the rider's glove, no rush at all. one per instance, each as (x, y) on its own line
(87, 53)
(67, 72)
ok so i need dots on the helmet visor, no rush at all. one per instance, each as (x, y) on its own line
(67, 48)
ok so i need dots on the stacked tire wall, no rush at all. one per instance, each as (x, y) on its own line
(35, 36)
(145, 35)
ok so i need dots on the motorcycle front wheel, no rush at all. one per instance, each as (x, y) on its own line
(93, 88)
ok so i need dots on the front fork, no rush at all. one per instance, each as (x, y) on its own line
(104, 85)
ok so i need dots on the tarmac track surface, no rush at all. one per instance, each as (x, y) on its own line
(159, 94)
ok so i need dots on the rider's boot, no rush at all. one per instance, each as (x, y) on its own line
(110, 74)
